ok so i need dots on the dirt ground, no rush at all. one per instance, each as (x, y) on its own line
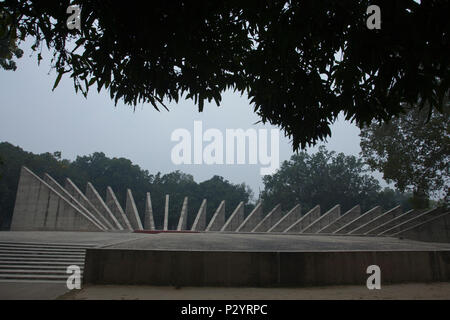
(419, 291)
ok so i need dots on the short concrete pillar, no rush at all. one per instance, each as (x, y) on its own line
(166, 214)
(200, 219)
(132, 213)
(218, 219)
(149, 221)
(182, 222)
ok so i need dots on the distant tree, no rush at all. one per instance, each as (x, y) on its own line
(326, 179)
(412, 151)
(301, 63)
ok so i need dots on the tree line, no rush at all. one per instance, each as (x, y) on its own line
(325, 178)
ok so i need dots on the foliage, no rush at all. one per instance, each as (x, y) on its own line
(413, 152)
(327, 179)
(300, 62)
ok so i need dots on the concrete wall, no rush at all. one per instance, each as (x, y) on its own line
(115, 207)
(304, 221)
(266, 269)
(269, 220)
(75, 192)
(348, 216)
(94, 197)
(235, 218)
(378, 220)
(328, 217)
(40, 207)
(287, 220)
(252, 219)
(437, 229)
(200, 219)
(359, 221)
(218, 219)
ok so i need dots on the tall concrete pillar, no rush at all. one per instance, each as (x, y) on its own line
(115, 207)
(55, 185)
(379, 220)
(252, 219)
(166, 214)
(235, 219)
(97, 201)
(359, 221)
(304, 221)
(287, 220)
(77, 194)
(182, 222)
(200, 219)
(149, 221)
(132, 213)
(218, 219)
(348, 216)
(40, 207)
(269, 220)
(324, 220)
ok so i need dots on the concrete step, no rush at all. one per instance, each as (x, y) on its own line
(35, 263)
(68, 260)
(29, 272)
(35, 267)
(26, 249)
(48, 253)
(33, 277)
(41, 255)
(46, 245)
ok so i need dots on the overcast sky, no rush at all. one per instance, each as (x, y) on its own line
(39, 120)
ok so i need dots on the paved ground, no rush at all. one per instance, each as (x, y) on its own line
(401, 291)
(220, 241)
(65, 237)
(272, 242)
(31, 290)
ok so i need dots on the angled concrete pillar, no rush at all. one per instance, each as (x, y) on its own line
(348, 216)
(415, 221)
(434, 229)
(55, 185)
(395, 221)
(182, 222)
(269, 220)
(97, 201)
(115, 207)
(218, 219)
(200, 219)
(132, 213)
(166, 214)
(40, 207)
(324, 220)
(77, 194)
(379, 220)
(149, 221)
(235, 219)
(359, 221)
(252, 219)
(304, 221)
(287, 220)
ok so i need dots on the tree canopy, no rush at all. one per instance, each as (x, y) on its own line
(412, 151)
(326, 179)
(301, 63)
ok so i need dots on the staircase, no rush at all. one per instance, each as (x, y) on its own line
(39, 262)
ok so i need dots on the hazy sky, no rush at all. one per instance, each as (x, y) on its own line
(39, 120)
